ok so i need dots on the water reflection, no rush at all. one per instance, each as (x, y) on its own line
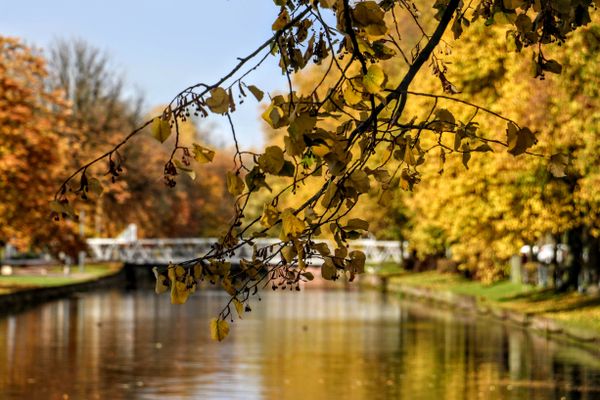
(308, 345)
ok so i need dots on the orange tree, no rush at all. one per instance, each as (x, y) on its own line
(32, 150)
(351, 157)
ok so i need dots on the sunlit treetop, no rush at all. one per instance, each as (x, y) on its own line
(371, 146)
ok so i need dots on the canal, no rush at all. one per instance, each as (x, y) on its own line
(315, 344)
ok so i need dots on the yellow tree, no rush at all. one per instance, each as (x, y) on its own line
(484, 215)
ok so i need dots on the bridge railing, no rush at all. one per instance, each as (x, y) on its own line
(164, 251)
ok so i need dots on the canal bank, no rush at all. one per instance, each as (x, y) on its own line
(27, 289)
(570, 317)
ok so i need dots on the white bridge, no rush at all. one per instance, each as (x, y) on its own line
(129, 249)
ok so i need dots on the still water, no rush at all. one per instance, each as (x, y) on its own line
(309, 345)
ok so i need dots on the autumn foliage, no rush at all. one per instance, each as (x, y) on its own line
(382, 116)
(33, 152)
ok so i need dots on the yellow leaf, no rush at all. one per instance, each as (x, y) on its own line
(357, 261)
(282, 20)
(219, 329)
(320, 150)
(328, 270)
(228, 286)
(259, 94)
(359, 180)
(161, 286)
(558, 164)
(218, 102)
(370, 17)
(269, 216)
(179, 292)
(519, 140)
(352, 96)
(303, 123)
(409, 157)
(355, 224)
(272, 160)
(185, 169)
(239, 307)
(294, 146)
(197, 271)
(386, 198)
(288, 253)
(57, 207)
(235, 184)
(322, 248)
(160, 129)
(179, 287)
(202, 154)
(292, 226)
(275, 116)
(374, 79)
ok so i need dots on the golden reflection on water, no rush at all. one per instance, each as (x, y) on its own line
(311, 345)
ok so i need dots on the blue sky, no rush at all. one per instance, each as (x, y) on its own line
(160, 47)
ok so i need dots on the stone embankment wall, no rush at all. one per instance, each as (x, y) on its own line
(21, 299)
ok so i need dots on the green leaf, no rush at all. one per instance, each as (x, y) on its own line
(374, 79)
(218, 102)
(160, 129)
(219, 329)
(259, 94)
(272, 160)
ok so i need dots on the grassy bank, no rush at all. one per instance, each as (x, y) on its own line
(25, 278)
(574, 310)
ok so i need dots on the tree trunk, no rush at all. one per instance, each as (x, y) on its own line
(575, 243)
